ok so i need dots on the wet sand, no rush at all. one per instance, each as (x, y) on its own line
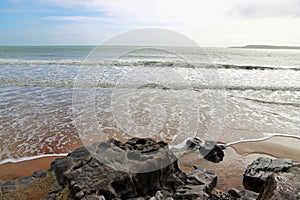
(229, 171)
(238, 156)
(278, 146)
(10, 171)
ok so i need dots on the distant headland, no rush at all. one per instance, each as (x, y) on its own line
(265, 47)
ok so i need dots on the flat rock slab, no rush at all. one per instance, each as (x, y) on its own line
(12, 185)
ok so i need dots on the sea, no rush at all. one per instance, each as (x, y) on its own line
(56, 98)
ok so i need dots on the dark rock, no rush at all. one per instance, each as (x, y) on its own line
(58, 189)
(73, 161)
(208, 179)
(8, 187)
(79, 195)
(234, 193)
(143, 145)
(138, 198)
(12, 185)
(23, 181)
(298, 196)
(259, 170)
(243, 194)
(248, 195)
(51, 196)
(190, 192)
(212, 151)
(158, 196)
(94, 197)
(282, 185)
(60, 165)
(110, 172)
(40, 174)
(194, 143)
(133, 170)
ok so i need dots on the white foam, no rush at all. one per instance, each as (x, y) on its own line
(267, 136)
(179, 146)
(38, 62)
(22, 159)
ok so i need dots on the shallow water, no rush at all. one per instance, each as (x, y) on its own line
(161, 94)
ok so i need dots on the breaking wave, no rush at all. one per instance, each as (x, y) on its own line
(155, 63)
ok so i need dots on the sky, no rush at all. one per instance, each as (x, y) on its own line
(210, 23)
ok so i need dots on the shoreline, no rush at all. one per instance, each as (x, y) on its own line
(237, 157)
(277, 146)
(241, 146)
(23, 159)
(9, 171)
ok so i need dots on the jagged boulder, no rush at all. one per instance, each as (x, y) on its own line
(136, 169)
(210, 150)
(273, 178)
(234, 194)
(259, 170)
(282, 185)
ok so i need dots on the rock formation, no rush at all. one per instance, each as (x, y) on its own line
(273, 178)
(142, 168)
(259, 170)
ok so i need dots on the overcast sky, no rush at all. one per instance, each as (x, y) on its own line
(209, 23)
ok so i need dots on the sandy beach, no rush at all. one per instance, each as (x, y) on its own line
(230, 170)
(10, 171)
(162, 99)
(240, 155)
(278, 146)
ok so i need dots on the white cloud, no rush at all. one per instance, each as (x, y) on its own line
(151, 10)
(80, 19)
(211, 23)
(184, 9)
(235, 32)
(268, 8)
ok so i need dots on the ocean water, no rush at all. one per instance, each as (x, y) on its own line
(53, 99)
